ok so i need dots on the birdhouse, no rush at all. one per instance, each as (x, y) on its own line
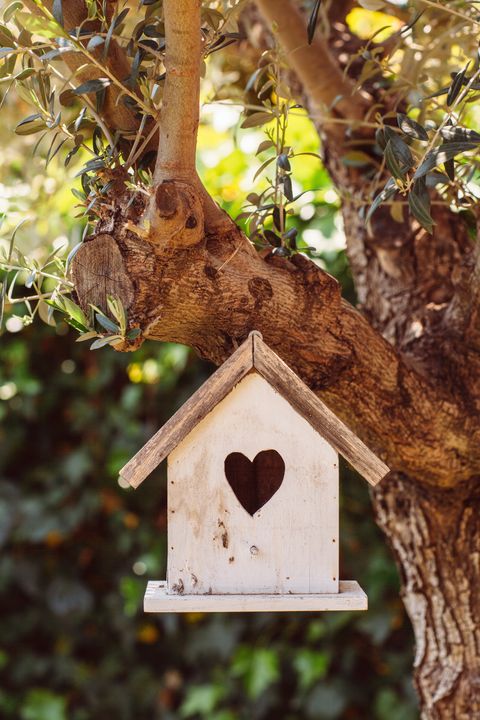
(253, 497)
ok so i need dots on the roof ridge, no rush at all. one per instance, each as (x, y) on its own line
(254, 354)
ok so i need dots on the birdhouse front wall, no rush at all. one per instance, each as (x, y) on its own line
(221, 541)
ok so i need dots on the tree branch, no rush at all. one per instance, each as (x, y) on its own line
(211, 293)
(181, 96)
(318, 71)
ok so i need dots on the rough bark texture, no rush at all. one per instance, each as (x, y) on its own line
(405, 375)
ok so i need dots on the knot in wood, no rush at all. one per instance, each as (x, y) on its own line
(176, 215)
(166, 198)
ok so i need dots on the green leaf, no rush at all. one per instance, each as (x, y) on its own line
(398, 171)
(57, 11)
(388, 191)
(39, 25)
(287, 187)
(312, 22)
(310, 666)
(87, 336)
(10, 10)
(356, 158)
(459, 134)
(283, 162)
(94, 42)
(411, 128)
(257, 119)
(400, 149)
(442, 154)
(419, 203)
(30, 125)
(106, 323)
(272, 238)
(42, 704)
(265, 145)
(456, 85)
(110, 340)
(92, 86)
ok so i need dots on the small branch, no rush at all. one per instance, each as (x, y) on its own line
(181, 98)
(318, 71)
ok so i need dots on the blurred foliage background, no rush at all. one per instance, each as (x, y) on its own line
(77, 548)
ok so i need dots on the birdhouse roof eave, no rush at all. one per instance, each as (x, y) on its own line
(254, 356)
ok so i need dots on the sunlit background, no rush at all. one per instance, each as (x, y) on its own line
(78, 548)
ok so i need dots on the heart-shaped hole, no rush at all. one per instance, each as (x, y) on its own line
(254, 483)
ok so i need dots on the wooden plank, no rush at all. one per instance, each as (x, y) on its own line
(305, 402)
(189, 415)
(290, 543)
(350, 597)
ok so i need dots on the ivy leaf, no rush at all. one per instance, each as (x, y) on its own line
(312, 23)
(419, 203)
(440, 155)
(411, 128)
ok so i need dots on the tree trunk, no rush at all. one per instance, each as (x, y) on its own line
(405, 281)
(435, 537)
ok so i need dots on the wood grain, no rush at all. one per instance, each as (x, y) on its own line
(350, 597)
(189, 415)
(327, 424)
(290, 544)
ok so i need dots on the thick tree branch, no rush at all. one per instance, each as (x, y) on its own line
(211, 293)
(318, 71)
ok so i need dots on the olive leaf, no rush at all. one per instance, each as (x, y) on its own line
(411, 127)
(419, 204)
(442, 154)
(312, 23)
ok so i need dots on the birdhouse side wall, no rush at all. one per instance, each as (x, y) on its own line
(290, 545)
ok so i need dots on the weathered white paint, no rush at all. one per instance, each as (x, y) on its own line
(349, 597)
(291, 544)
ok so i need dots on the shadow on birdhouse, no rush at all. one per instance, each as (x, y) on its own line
(253, 502)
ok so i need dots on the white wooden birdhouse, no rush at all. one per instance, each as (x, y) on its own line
(253, 507)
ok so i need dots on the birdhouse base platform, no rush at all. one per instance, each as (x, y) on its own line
(158, 600)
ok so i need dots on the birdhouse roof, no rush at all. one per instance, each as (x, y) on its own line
(254, 356)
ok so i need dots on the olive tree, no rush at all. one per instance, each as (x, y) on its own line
(161, 260)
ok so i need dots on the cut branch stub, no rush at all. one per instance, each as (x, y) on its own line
(99, 271)
(176, 215)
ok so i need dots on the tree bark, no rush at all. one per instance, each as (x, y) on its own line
(435, 537)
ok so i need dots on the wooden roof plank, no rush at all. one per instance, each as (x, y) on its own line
(254, 354)
(306, 403)
(189, 415)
